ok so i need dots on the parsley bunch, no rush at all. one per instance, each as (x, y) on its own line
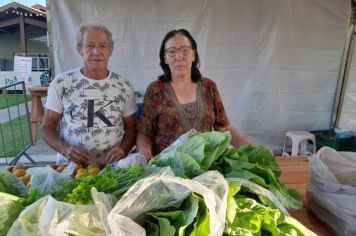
(78, 191)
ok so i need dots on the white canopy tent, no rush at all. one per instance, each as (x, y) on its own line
(276, 62)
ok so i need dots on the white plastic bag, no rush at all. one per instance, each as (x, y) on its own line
(50, 217)
(46, 180)
(331, 194)
(333, 171)
(161, 191)
(134, 158)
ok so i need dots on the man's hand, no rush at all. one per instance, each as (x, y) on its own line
(115, 154)
(51, 135)
(77, 154)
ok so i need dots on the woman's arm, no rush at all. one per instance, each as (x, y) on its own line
(144, 145)
(237, 139)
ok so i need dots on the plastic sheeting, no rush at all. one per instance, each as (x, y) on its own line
(275, 62)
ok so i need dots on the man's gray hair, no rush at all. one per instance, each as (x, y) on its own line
(85, 27)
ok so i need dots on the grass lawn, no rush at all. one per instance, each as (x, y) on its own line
(12, 99)
(14, 136)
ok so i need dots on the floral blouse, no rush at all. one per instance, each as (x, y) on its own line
(160, 119)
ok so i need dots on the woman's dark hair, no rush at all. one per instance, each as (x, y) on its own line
(166, 76)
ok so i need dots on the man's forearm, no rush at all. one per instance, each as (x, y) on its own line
(52, 138)
(128, 140)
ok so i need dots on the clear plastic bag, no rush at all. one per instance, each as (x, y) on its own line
(49, 217)
(334, 172)
(260, 191)
(161, 191)
(133, 158)
(331, 194)
(46, 180)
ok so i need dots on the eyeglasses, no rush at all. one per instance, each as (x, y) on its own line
(172, 52)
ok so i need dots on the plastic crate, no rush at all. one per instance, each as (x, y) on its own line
(328, 138)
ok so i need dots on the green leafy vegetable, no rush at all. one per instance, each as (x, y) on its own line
(77, 191)
(211, 151)
(33, 195)
(189, 217)
(246, 215)
(9, 211)
(9, 183)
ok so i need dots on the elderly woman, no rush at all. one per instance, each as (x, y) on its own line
(94, 106)
(181, 99)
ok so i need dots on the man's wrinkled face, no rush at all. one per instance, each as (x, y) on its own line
(96, 50)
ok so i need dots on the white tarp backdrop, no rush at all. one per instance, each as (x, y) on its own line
(275, 62)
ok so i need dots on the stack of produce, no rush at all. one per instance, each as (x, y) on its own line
(190, 157)
(200, 152)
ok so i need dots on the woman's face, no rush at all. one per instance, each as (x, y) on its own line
(179, 55)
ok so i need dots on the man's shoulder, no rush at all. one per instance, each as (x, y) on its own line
(65, 76)
(119, 78)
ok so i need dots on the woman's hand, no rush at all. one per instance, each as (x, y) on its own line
(115, 154)
(146, 153)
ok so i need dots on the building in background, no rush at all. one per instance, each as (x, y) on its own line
(23, 32)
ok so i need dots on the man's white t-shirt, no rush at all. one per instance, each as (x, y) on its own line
(92, 110)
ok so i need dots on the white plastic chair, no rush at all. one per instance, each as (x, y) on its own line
(299, 140)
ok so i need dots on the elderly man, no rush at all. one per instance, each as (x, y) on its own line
(94, 107)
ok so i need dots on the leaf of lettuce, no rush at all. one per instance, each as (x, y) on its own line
(290, 222)
(194, 146)
(231, 164)
(261, 155)
(151, 228)
(234, 188)
(201, 225)
(262, 174)
(252, 217)
(216, 144)
(190, 208)
(289, 197)
(236, 154)
(182, 164)
(165, 228)
(245, 174)
(176, 218)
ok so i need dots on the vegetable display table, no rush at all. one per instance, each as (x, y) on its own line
(295, 174)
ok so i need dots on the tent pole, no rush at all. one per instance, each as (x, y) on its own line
(344, 69)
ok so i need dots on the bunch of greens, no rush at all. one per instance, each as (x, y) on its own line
(77, 191)
(194, 155)
(246, 215)
(257, 164)
(33, 195)
(9, 183)
(204, 151)
(188, 217)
